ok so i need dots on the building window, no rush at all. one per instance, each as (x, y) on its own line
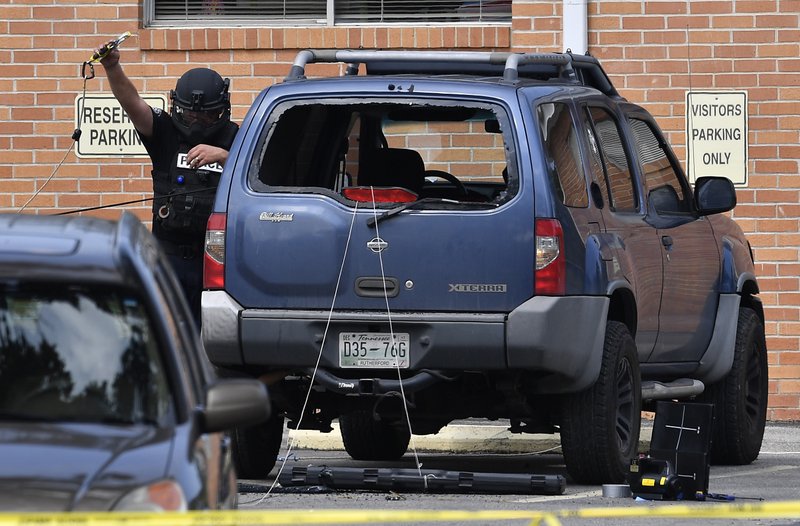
(324, 12)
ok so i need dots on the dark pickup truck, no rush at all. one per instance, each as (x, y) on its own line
(450, 235)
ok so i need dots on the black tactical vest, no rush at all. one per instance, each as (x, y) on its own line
(184, 197)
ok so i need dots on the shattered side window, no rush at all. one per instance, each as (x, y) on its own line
(304, 146)
(443, 150)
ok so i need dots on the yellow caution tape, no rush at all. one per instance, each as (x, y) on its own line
(698, 510)
(259, 517)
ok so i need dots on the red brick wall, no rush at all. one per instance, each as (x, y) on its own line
(743, 45)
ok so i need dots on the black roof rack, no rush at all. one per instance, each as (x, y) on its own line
(578, 69)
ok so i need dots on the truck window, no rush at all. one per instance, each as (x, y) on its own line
(432, 148)
(562, 154)
(83, 353)
(605, 138)
(664, 190)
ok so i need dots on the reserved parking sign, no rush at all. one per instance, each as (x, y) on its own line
(106, 130)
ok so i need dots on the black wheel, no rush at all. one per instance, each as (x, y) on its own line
(600, 425)
(740, 399)
(366, 438)
(256, 448)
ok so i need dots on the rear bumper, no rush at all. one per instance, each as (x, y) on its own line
(561, 337)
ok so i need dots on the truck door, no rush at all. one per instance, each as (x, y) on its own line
(688, 250)
(637, 257)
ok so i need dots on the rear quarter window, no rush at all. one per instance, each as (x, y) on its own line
(562, 154)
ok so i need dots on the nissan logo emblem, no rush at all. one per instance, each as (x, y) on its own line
(377, 245)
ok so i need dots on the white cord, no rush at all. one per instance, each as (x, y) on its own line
(291, 441)
(391, 336)
(48, 179)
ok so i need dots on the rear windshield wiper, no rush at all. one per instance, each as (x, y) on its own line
(425, 200)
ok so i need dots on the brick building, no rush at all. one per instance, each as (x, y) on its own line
(654, 52)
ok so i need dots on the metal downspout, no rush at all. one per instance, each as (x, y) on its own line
(575, 31)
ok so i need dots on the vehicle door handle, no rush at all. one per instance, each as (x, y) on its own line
(666, 241)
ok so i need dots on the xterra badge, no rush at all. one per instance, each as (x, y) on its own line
(477, 287)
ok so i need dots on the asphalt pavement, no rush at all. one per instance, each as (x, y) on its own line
(488, 447)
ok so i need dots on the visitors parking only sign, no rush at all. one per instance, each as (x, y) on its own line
(106, 130)
(716, 135)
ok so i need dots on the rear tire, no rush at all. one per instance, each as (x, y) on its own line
(255, 448)
(740, 399)
(600, 425)
(368, 439)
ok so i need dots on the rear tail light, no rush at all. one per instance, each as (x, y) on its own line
(367, 194)
(214, 256)
(551, 267)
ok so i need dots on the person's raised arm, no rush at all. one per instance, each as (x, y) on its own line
(138, 110)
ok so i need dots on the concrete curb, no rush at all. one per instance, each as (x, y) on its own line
(463, 438)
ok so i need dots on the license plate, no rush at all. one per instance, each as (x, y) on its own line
(373, 350)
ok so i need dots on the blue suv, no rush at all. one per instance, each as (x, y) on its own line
(451, 235)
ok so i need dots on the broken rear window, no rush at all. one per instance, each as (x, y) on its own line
(451, 151)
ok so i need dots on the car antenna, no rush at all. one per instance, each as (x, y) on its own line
(96, 57)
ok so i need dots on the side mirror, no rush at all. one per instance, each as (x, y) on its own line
(714, 195)
(235, 402)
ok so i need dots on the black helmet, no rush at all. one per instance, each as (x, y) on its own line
(201, 104)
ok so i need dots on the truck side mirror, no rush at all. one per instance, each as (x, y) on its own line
(714, 195)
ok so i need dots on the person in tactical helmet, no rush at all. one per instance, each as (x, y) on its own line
(188, 148)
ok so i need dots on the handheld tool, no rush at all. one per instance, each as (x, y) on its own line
(101, 53)
(108, 47)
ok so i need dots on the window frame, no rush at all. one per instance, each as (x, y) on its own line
(179, 324)
(589, 120)
(330, 18)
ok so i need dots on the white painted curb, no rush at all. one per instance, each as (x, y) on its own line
(456, 438)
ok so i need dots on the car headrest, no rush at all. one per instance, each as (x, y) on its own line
(393, 167)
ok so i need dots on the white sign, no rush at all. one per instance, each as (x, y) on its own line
(716, 135)
(106, 130)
